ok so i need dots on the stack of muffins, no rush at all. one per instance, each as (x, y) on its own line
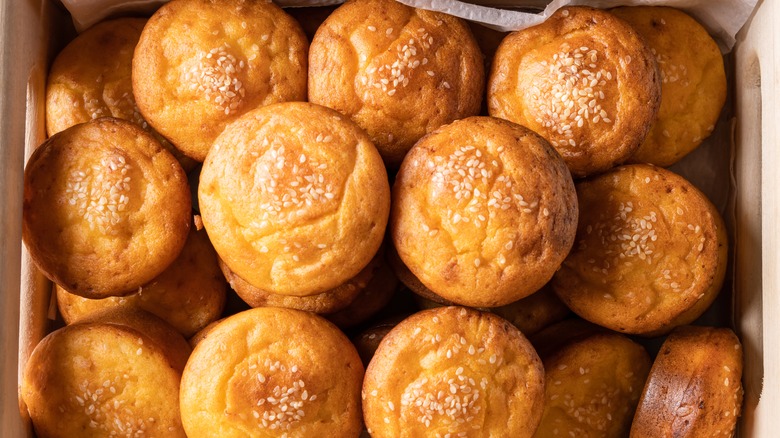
(334, 168)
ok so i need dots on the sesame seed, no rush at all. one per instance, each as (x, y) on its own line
(215, 78)
(372, 28)
(575, 97)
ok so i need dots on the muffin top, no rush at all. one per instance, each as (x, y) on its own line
(650, 251)
(106, 208)
(295, 198)
(116, 374)
(397, 71)
(695, 386)
(272, 371)
(693, 81)
(584, 80)
(592, 382)
(484, 211)
(452, 370)
(201, 64)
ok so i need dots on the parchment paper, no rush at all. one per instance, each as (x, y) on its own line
(723, 18)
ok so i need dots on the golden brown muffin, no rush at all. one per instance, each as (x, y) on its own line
(453, 371)
(375, 296)
(693, 88)
(592, 383)
(650, 252)
(484, 211)
(188, 295)
(295, 198)
(106, 208)
(695, 386)
(200, 64)
(274, 372)
(397, 71)
(584, 80)
(90, 79)
(114, 375)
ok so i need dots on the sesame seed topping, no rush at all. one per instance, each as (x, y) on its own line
(447, 402)
(283, 406)
(575, 96)
(398, 73)
(100, 193)
(307, 187)
(468, 173)
(625, 235)
(215, 78)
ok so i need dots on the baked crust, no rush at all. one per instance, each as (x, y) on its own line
(201, 64)
(397, 71)
(584, 80)
(106, 208)
(484, 211)
(295, 198)
(693, 82)
(272, 371)
(115, 374)
(694, 388)
(592, 382)
(651, 252)
(453, 370)
(188, 295)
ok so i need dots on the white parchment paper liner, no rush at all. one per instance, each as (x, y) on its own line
(723, 18)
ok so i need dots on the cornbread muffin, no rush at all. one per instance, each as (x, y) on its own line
(484, 211)
(397, 71)
(693, 82)
(90, 78)
(114, 375)
(106, 208)
(270, 372)
(584, 80)
(295, 198)
(650, 252)
(695, 386)
(188, 295)
(201, 64)
(453, 371)
(374, 297)
(592, 384)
